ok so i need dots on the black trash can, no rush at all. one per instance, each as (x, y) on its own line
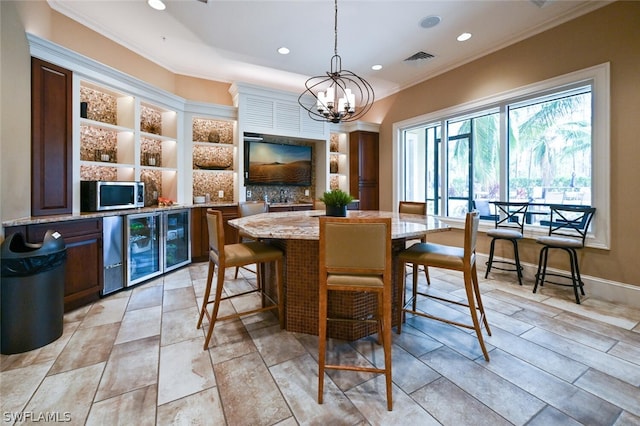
(32, 293)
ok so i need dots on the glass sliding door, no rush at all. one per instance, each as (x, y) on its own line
(473, 163)
(422, 166)
(459, 169)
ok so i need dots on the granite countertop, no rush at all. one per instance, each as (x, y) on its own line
(91, 215)
(33, 220)
(303, 225)
(302, 204)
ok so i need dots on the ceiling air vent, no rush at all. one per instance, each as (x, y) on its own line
(540, 3)
(419, 57)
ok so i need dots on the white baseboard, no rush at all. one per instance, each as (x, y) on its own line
(597, 288)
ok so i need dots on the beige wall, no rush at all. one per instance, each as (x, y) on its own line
(197, 89)
(15, 116)
(38, 18)
(610, 34)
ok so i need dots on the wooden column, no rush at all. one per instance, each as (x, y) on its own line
(364, 169)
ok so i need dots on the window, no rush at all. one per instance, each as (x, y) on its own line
(473, 161)
(549, 151)
(547, 143)
(422, 177)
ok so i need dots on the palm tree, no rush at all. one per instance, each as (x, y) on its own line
(485, 135)
(550, 133)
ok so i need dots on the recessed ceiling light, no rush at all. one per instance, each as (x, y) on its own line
(376, 67)
(430, 21)
(283, 50)
(464, 37)
(156, 4)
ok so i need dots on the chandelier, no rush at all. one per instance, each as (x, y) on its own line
(340, 95)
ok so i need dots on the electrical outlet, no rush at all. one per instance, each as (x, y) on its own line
(306, 192)
(221, 194)
(248, 194)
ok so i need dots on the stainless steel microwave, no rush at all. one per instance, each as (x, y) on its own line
(97, 195)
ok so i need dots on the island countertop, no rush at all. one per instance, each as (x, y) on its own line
(296, 233)
(303, 225)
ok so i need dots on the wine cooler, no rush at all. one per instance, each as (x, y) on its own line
(156, 243)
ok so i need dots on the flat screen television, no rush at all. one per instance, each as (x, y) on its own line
(268, 163)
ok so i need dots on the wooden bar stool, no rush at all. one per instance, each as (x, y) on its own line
(420, 208)
(452, 258)
(355, 255)
(249, 208)
(240, 254)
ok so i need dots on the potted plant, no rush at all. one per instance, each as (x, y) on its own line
(336, 202)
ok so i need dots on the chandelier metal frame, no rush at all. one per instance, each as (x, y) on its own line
(340, 95)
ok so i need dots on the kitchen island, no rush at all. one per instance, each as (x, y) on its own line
(297, 234)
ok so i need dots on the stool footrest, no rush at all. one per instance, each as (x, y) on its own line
(354, 368)
(568, 277)
(430, 296)
(504, 262)
(365, 320)
(448, 321)
(250, 312)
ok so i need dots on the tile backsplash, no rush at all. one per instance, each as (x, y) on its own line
(150, 152)
(211, 183)
(100, 106)
(152, 186)
(214, 131)
(212, 157)
(95, 139)
(150, 120)
(98, 173)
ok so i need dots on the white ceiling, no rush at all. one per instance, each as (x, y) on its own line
(235, 40)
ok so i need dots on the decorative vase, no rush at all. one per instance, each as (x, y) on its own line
(336, 211)
(213, 136)
(333, 165)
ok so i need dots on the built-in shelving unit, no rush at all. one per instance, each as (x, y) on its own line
(158, 152)
(123, 138)
(127, 129)
(107, 145)
(339, 161)
(213, 158)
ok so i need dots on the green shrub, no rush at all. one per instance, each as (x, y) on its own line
(336, 197)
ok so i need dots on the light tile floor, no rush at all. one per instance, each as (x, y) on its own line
(136, 357)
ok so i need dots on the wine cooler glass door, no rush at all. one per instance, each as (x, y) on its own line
(177, 251)
(143, 250)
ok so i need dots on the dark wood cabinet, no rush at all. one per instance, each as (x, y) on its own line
(354, 205)
(200, 231)
(84, 266)
(51, 139)
(364, 169)
(290, 208)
